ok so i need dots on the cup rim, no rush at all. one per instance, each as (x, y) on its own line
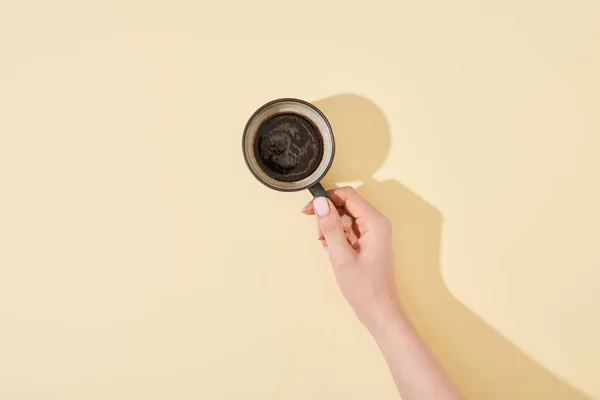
(328, 148)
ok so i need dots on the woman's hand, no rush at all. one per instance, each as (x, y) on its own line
(358, 239)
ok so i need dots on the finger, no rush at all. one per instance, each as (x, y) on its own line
(356, 230)
(366, 217)
(346, 197)
(324, 244)
(310, 210)
(330, 222)
(352, 237)
(353, 202)
(348, 229)
(347, 222)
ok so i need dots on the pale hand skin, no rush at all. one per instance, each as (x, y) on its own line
(358, 239)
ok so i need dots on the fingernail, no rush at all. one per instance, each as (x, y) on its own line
(321, 206)
(305, 208)
(318, 232)
(327, 251)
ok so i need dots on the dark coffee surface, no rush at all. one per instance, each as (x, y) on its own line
(288, 147)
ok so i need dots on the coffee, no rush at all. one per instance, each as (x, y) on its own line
(288, 147)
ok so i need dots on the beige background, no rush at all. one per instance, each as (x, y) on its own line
(139, 259)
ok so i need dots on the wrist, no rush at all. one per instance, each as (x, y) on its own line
(385, 319)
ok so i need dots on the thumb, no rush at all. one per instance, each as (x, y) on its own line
(330, 224)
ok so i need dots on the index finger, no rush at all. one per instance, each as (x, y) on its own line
(353, 203)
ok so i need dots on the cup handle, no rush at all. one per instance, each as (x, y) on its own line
(317, 190)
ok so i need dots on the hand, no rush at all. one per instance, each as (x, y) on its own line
(358, 240)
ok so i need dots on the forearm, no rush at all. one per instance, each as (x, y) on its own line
(416, 372)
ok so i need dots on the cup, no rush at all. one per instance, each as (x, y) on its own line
(288, 145)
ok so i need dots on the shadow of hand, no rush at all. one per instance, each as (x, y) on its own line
(482, 362)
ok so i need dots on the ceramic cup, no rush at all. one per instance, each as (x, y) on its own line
(288, 146)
